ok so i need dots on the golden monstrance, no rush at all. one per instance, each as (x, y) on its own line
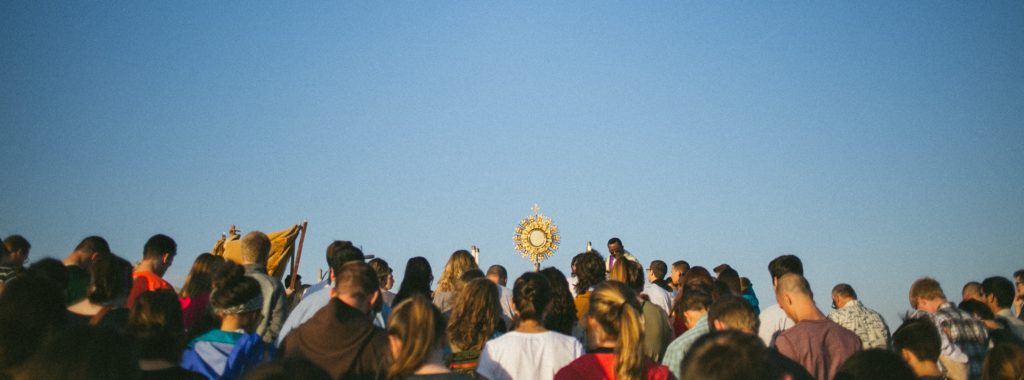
(536, 237)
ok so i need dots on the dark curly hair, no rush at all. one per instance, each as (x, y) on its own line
(232, 287)
(589, 271)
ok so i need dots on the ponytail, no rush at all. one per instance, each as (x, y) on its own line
(615, 308)
(628, 352)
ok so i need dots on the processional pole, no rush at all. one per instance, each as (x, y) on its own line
(298, 255)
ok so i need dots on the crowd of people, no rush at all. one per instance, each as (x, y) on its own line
(97, 316)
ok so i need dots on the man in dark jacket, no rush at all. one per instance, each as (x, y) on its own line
(341, 338)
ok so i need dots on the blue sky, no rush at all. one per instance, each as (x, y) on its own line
(879, 141)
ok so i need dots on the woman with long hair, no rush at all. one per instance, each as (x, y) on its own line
(560, 315)
(590, 271)
(156, 324)
(416, 280)
(416, 333)
(530, 351)
(110, 284)
(195, 293)
(234, 348)
(614, 333)
(475, 318)
(696, 276)
(451, 278)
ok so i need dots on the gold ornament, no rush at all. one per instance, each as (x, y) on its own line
(536, 237)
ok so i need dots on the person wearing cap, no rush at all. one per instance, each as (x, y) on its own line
(339, 253)
(255, 250)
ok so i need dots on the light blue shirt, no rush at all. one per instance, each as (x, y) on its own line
(676, 351)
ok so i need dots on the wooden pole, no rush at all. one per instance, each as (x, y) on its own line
(298, 255)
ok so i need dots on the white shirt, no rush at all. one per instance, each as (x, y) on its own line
(773, 320)
(572, 280)
(660, 297)
(517, 355)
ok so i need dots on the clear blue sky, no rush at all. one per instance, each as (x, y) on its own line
(878, 141)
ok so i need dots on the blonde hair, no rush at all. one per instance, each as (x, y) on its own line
(926, 288)
(614, 306)
(458, 263)
(255, 247)
(419, 325)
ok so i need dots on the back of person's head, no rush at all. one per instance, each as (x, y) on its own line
(999, 288)
(681, 266)
(696, 298)
(659, 269)
(15, 243)
(718, 270)
(728, 355)
(111, 279)
(785, 264)
(234, 292)
(340, 252)
(794, 284)
(920, 337)
(200, 278)
(470, 275)
(698, 275)
(977, 309)
(972, 289)
(420, 328)
(156, 324)
(531, 295)
(560, 315)
(614, 307)
(589, 271)
(286, 369)
(1005, 361)
(497, 271)
(52, 270)
(93, 244)
(628, 272)
(475, 315)
(255, 248)
(459, 262)
(31, 309)
(926, 288)
(356, 280)
(844, 290)
(734, 313)
(875, 364)
(744, 284)
(382, 269)
(158, 245)
(416, 279)
(85, 353)
(731, 279)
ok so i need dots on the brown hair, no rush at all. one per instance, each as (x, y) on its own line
(200, 278)
(615, 308)
(1004, 361)
(156, 323)
(628, 272)
(475, 316)
(255, 247)
(459, 262)
(419, 325)
(926, 288)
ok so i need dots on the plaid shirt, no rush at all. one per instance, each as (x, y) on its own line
(866, 323)
(964, 339)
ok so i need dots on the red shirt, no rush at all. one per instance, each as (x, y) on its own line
(602, 366)
(146, 282)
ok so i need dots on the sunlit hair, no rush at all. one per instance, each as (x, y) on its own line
(615, 308)
(255, 247)
(926, 288)
(458, 263)
(475, 316)
(628, 272)
(419, 325)
(560, 314)
(200, 278)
